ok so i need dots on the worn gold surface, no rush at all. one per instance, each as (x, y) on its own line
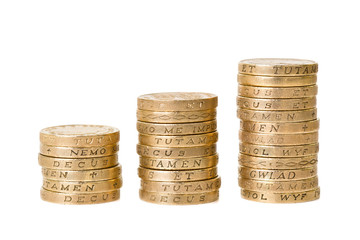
(277, 92)
(176, 117)
(285, 197)
(179, 141)
(280, 127)
(174, 152)
(177, 101)
(275, 139)
(278, 67)
(176, 129)
(79, 199)
(277, 175)
(78, 164)
(267, 81)
(78, 152)
(277, 116)
(179, 163)
(278, 163)
(82, 186)
(179, 199)
(182, 187)
(290, 104)
(87, 175)
(177, 176)
(279, 186)
(279, 151)
(79, 136)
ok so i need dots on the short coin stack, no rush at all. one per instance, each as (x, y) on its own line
(80, 164)
(279, 130)
(177, 148)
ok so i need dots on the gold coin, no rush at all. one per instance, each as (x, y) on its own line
(182, 187)
(177, 176)
(280, 127)
(269, 139)
(267, 81)
(285, 197)
(277, 92)
(88, 175)
(179, 163)
(179, 141)
(278, 67)
(279, 151)
(176, 117)
(179, 199)
(79, 199)
(181, 152)
(176, 129)
(279, 186)
(82, 187)
(277, 175)
(277, 116)
(278, 163)
(276, 104)
(78, 164)
(78, 152)
(79, 136)
(177, 101)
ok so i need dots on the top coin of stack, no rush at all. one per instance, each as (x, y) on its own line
(177, 148)
(279, 130)
(80, 164)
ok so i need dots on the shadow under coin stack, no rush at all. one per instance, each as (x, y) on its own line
(279, 130)
(177, 148)
(80, 164)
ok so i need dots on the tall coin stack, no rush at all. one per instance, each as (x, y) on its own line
(80, 164)
(177, 148)
(279, 130)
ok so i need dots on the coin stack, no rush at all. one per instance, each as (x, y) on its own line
(80, 164)
(177, 148)
(279, 130)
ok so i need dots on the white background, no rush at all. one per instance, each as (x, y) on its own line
(64, 62)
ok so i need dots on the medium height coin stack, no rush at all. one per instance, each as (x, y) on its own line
(177, 148)
(279, 130)
(80, 164)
